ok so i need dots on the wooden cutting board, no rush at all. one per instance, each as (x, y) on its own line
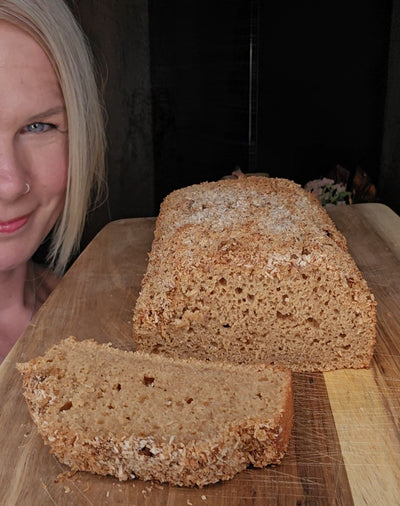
(345, 446)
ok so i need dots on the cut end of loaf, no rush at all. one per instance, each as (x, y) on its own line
(129, 414)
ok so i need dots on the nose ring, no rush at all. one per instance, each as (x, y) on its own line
(28, 188)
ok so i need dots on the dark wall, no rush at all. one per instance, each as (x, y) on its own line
(188, 101)
(177, 93)
(319, 84)
(322, 76)
(389, 177)
(200, 88)
(118, 33)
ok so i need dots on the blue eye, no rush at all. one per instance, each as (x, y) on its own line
(37, 127)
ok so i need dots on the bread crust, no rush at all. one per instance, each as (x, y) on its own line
(62, 391)
(253, 270)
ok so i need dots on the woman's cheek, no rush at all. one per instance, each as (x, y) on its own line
(53, 174)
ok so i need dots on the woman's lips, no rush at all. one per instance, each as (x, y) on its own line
(8, 227)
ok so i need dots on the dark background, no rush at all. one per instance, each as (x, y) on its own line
(196, 88)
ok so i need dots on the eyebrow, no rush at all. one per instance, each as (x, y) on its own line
(45, 114)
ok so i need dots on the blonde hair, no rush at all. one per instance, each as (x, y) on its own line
(52, 25)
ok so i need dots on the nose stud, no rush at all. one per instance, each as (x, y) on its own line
(28, 188)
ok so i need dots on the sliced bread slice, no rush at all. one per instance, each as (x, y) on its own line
(131, 414)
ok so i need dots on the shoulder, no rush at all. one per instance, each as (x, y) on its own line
(46, 281)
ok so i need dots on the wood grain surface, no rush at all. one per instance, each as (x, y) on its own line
(345, 446)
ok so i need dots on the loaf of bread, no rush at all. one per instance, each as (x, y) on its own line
(130, 414)
(253, 270)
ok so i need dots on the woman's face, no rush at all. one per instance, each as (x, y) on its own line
(33, 146)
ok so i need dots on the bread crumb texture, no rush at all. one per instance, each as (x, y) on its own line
(253, 270)
(182, 421)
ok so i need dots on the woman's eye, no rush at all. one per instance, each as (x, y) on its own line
(38, 127)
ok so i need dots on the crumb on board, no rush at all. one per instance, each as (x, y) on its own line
(66, 475)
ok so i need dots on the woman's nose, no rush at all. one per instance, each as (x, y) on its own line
(13, 180)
